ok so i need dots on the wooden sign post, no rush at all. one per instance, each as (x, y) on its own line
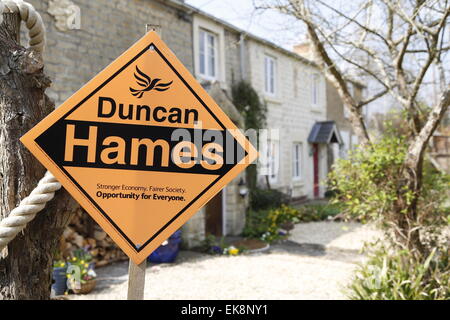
(136, 273)
(136, 280)
(142, 147)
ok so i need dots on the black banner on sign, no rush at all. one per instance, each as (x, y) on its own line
(137, 147)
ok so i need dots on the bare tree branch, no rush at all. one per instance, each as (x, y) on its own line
(417, 148)
(373, 98)
(333, 74)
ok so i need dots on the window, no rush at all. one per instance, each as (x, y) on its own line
(315, 89)
(208, 54)
(273, 158)
(297, 151)
(270, 72)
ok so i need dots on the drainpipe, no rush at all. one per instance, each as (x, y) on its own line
(243, 65)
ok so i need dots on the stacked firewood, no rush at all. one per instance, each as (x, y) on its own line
(85, 233)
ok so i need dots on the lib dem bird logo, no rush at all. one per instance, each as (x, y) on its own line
(147, 84)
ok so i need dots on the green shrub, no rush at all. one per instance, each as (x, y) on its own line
(394, 275)
(254, 110)
(283, 214)
(318, 212)
(256, 224)
(266, 224)
(368, 183)
(371, 185)
(261, 199)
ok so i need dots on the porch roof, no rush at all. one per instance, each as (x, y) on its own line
(325, 132)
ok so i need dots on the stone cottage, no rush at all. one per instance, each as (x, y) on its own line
(84, 36)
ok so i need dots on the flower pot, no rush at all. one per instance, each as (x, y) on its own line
(59, 285)
(86, 287)
(169, 252)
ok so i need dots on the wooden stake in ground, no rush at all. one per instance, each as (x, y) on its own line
(136, 280)
(136, 273)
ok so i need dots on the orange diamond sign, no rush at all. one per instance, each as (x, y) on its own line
(142, 147)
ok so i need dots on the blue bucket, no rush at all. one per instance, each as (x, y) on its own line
(169, 252)
(60, 280)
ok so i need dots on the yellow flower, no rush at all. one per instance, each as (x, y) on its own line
(82, 261)
(86, 265)
(233, 251)
(74, 259)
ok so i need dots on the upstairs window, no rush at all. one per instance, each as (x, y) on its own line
(270, 75)
(208, 55)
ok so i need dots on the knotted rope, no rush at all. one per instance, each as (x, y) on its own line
(32, 19)
(45, 191)
(27, 209)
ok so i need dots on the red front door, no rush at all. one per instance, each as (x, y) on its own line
(316, 169)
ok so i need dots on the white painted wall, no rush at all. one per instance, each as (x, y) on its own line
(291, 111)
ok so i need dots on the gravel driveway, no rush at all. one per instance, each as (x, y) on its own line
(315, 263)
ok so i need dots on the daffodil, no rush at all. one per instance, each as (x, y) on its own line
(233, 251)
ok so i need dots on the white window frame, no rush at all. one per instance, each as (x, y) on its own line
(202, 24)
(205, 36)
(297, 161)
(273, 158)
(270, 75)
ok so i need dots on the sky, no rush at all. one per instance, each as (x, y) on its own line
(272, 26)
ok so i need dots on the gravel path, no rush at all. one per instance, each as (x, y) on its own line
(315, 263)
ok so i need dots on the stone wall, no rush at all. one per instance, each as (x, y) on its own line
(232, 58)
(335, 107)
(108, 28)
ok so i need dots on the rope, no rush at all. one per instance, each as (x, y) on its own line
(18, 218)
(27, 209)
(32, 19)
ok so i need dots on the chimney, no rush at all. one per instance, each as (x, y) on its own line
(305, 50)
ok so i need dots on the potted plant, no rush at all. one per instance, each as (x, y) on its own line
(81, 276)
(59, 285)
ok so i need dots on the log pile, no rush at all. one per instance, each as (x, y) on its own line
(84, 232)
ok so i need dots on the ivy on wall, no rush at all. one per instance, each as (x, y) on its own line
(254, 111)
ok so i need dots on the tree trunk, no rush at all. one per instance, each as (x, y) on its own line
(26, 265)
(413, 180)
(336, 79)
